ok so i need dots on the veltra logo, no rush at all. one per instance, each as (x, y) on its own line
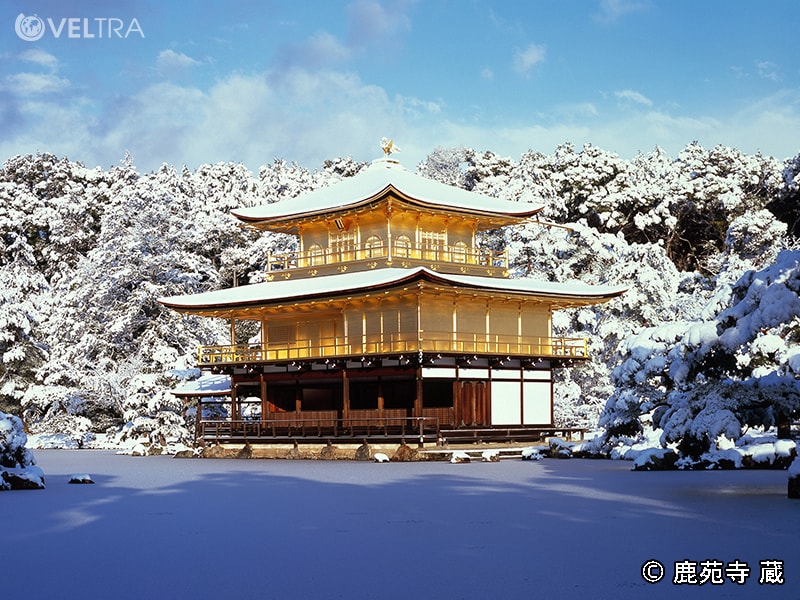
(32, 28)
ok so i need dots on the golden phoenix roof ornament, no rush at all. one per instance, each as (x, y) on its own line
(388, 147)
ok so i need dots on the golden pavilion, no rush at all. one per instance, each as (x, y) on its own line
(388, 322)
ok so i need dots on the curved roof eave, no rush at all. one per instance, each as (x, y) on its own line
(375, 181)
(336, 286)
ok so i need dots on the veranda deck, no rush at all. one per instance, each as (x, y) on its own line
(321, 427)
(389, 427)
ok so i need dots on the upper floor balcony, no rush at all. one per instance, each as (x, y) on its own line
(458, 258)
(428, 342)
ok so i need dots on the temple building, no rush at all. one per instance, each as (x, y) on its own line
(388, 321)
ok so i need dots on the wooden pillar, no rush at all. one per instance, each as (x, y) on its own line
(488, 327)
(469, 402)
(380, 402)
(198, 416)
(233, 398)
(474, 247)
(457, 413)
(380, 312)
(298, 397)
(455, 325)
(418, 400)
(480, 399)
(264, 401)
(389, 241)
(345, 395)
(345, 331)
(473, 393)
(521, 397)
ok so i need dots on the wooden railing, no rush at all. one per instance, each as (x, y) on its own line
(428, 341)
(320, 425)
(320, 257)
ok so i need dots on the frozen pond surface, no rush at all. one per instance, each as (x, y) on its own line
(159, 527)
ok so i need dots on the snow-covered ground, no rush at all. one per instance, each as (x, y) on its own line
(159, 527)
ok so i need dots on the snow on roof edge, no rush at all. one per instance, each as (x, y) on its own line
(372, 182)
(306, 288)
(206, 385)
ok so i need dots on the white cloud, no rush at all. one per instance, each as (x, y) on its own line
(767, 126)
(768, 70)
(30, 84)
(311, 115)
(304, 116)
(169, 60)
(612, 10)
(370, 22)
(487, 74)
(416, 107)
(27, 84)
(40, 57)
(525, 60)
(372, 27)
(173, 64)
(71, 137)
(327, 48)
(318, 51)
(633, 96)
(576, 110)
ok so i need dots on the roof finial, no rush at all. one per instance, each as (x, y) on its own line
(388, 147)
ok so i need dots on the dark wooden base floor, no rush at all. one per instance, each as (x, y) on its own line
(511, 434)
(411, 430)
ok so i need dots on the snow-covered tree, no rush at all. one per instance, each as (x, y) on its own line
(18, 468)
(85, 253)
(702, 379)
(446, 165)
(786, 205)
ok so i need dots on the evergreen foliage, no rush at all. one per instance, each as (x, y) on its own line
(704, 343)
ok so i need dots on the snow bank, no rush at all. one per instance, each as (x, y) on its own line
(756, 450)
(18, 468)
(532, 453)
(355, 530)
(655, 459)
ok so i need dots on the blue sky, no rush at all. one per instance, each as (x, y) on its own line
(250, 81)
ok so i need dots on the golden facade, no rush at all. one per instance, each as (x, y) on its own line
(389, 316)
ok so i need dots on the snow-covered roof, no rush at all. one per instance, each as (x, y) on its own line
(372, 182)
(276, 292)
(207, 385)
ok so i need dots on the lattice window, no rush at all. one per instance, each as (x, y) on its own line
(433, 243)
(282, 334)
(402, 246)
(342, 241)
(432, 240)
(316, 255)
(373, 247)
(459, 252)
